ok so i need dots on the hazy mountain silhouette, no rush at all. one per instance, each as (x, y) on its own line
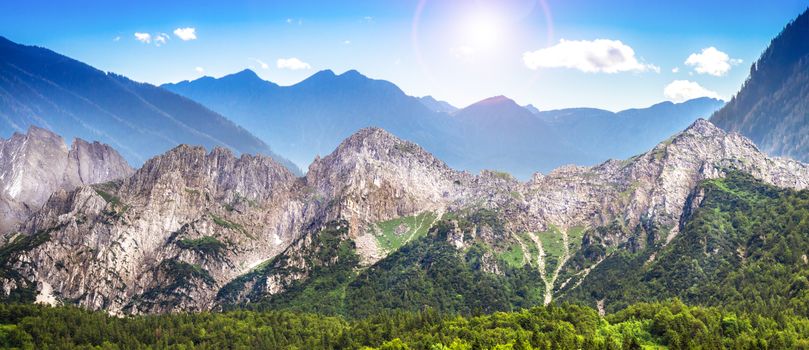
(43, 88)
(505, 135)
(603, 134)
(310, 118)
(437, 105)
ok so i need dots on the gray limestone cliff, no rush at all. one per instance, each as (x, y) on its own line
(35, 164)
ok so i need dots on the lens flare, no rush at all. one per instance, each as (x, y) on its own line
(479, 31)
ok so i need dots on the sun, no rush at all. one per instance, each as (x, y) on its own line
(481, 30)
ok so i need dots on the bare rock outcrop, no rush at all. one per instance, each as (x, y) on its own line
(35, 164)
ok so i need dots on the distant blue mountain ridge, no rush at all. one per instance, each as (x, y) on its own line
(42, 88)
(310, 118)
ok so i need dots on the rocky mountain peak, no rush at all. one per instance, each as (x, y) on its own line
(220, 172)
(706, 141)
(703, 128)
(35, 164)
(97, 162)
(378, 176)
(376, 144)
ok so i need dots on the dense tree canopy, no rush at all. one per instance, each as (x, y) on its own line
(668, 324)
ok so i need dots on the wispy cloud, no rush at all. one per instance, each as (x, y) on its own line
(596, 56)
(261, 63)
(117, 38)
(684, 90)
(143, 37)
(199, 70)
(712, 61)
(292, 63)
(161, 39)
(187, 33)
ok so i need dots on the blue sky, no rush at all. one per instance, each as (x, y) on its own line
(553, 53)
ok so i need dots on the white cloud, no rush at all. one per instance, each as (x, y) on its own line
(143, 37)
(185, 34)
(261, 63)
(346, 42)
(675, 70)
(292, 63)
(161, 39)
(597, 56)
(711, 61)
(684, 90)
(200, 70)
(116, 39)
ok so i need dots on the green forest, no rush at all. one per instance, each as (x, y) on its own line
(670, 324)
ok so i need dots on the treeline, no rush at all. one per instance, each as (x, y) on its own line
(668, 324)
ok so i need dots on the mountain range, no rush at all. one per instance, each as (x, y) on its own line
(605, 134)
(309, 119)
(192, 230)
(379, 224)
(42, 88)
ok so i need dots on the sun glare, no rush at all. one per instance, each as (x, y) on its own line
(481, 30)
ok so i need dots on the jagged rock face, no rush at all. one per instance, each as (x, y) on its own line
(35, 164)
(178, 232)
(168, 236)
(375, 176)
(652, 188)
